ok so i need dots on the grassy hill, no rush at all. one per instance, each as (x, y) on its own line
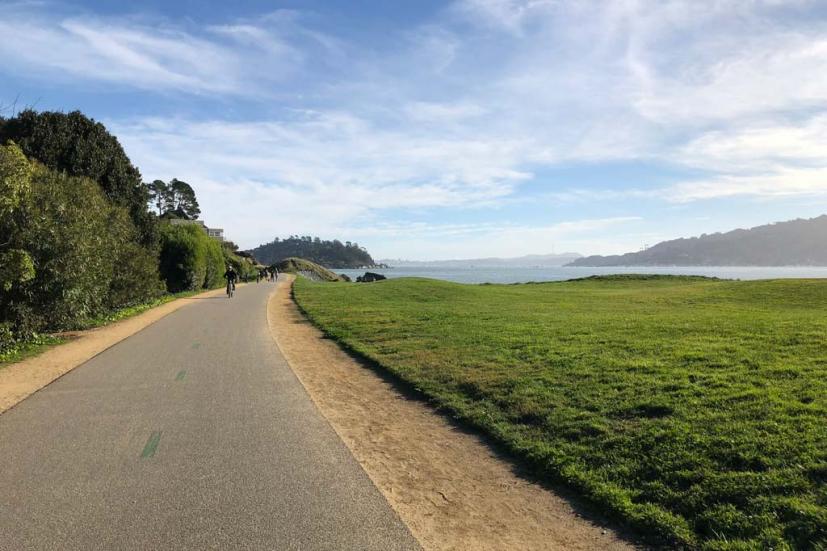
(307, 268)
(691, 409)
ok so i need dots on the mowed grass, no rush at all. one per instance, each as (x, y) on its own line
(694, 410)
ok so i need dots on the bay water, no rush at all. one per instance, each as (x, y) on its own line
(536, 274)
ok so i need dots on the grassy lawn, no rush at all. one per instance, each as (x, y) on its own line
(694, 410)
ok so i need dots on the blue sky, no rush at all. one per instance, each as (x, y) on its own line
(455, 129)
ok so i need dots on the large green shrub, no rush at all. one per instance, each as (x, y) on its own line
(75, 144)
(136, 278)
(216, 265)
(79, 251)
(84, 251)
(190, 259)
(15, 181)
(15, 186)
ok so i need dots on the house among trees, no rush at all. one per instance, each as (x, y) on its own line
(215, 233)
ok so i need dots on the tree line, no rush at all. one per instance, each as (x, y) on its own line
(81, 235)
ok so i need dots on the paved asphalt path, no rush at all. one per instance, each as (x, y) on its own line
(192, 434)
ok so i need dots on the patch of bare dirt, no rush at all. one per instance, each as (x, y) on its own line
(21, 379)
(447, 485)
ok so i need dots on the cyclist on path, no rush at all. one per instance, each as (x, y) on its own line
(231, 276)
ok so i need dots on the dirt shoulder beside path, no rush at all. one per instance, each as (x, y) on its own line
(21, 379)
(448, 486)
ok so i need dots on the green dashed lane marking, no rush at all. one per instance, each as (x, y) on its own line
(181, 375)
(196, 345)
(151, 445)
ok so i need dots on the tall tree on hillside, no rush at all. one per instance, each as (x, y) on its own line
(175, 199)
(159, 195)
(183, 200)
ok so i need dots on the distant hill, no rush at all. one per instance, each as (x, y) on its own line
(528, 261)
(794, 243)
(330, 254)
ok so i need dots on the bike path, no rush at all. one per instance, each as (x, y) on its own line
(192, 434)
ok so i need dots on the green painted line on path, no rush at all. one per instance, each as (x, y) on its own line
(181, 375)
(151, 445)
(196, 345)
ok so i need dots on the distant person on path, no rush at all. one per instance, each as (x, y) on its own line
(258, 276)
(275, 274)
(231, 276)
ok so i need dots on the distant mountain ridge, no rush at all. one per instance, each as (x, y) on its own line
(330, 254)
(528, 261)
(797, 242)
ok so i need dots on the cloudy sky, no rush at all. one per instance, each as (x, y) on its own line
(453, 129)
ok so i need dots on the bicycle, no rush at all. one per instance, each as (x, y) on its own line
(230, 289)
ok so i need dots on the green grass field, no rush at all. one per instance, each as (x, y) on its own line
(693, 410)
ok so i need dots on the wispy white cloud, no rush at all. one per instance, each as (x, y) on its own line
(760, 147)
(761, 160)
(237, 59)
(784, 182)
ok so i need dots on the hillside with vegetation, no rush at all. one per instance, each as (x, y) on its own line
(690, 408)
(330, 254)
(78, 239)
(794, 243)
(311, 270)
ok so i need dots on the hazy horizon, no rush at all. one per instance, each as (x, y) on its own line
(448, 130)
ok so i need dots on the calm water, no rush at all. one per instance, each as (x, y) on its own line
(522, 275)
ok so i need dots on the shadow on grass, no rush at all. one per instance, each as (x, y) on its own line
(520, 466)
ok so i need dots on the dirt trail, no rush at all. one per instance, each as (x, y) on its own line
(446, 485)
(21, 379)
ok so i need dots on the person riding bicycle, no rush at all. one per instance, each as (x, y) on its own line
(231, 276)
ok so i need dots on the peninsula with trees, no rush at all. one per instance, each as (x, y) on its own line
(330, 254)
